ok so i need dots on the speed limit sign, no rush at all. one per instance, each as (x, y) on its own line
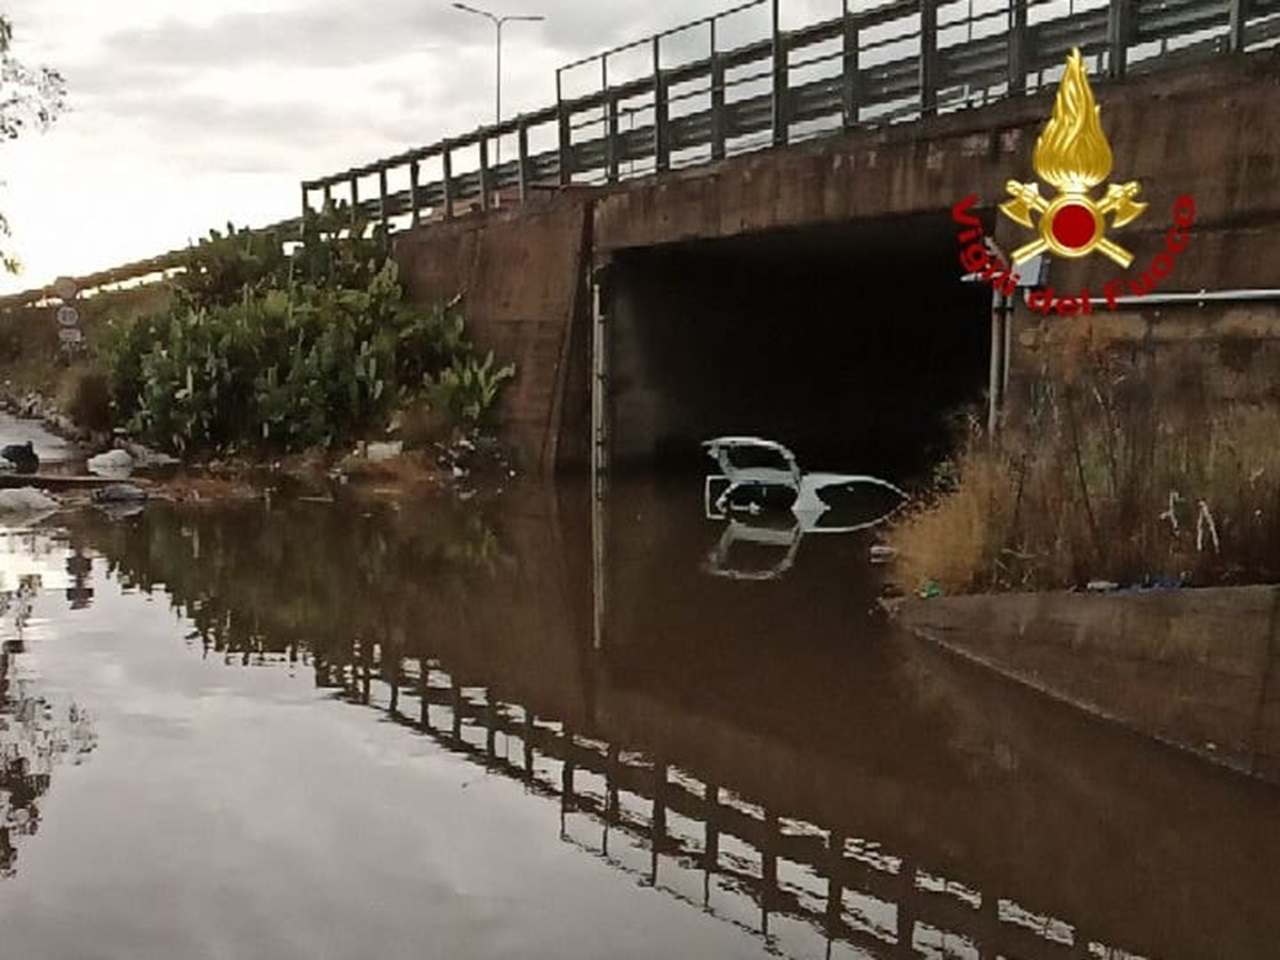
(68, 316)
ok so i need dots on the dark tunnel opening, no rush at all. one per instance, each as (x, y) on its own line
(853, 345)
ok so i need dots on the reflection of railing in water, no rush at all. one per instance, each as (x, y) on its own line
(782, 879)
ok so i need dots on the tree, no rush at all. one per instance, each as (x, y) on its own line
(29, 97)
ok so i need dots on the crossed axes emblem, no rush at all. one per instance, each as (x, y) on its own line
(1119, 200)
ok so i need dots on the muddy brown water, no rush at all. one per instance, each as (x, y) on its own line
(312, 730)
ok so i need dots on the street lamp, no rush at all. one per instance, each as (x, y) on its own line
(497, 22)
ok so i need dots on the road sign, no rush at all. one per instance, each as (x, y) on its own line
(69, 334)
(68, 316)
(65, 288)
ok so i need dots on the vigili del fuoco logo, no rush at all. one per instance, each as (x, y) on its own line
(1073, 156)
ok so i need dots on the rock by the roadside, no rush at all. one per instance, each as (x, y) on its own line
(26, 500)
(146, 457)
(120, 511)
(119, 493)
(113, 463)
(377, 452)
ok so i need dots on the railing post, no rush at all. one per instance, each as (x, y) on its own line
(1119, 33)
(661, 149)
(719, 122)
(522, 145)
(484, 172)
(613, 149)
(849, 70)
(1017, 46)
(328, 197)
(769, 867)
(306, 202)
(835, 885)
(711, 838)
(455, 688)
(1237, 15)
(446, 157)
(658, 820)
(928, 58)
(424, 695)
(567, 770)
(355, 199)
(781, 125)
(415, 172)
(610, 104)
(565, 135)
(490, 725)
(383, 216)
(719, 118)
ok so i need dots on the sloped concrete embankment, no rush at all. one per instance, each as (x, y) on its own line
(1197, 669)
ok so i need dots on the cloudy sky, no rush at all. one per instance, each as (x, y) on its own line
(186, 115)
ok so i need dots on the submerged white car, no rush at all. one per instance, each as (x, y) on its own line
(760, 475)
(758, 480)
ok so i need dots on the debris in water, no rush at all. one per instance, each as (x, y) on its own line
(119, 493)
(26, 500)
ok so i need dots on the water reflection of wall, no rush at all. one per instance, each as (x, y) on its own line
(37, 730)
(771, 757)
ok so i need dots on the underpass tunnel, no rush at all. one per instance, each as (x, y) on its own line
(850, 344)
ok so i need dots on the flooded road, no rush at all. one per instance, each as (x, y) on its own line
(340, 730)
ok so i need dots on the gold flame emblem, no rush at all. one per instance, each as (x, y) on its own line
(1073, 155)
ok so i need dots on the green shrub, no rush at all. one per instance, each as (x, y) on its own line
(291, 352)
(467, 390)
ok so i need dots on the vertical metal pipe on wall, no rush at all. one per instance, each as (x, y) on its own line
(599, 452)
(995, 374)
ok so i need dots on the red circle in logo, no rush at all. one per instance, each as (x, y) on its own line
(1074, 225)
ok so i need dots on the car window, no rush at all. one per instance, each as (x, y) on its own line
(753, 458)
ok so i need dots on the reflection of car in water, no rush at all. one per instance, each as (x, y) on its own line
(771, 504)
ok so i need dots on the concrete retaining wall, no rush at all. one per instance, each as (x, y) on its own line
(521, 275)
(1199, 669)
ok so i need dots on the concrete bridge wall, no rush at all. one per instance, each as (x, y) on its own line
(1211, 131)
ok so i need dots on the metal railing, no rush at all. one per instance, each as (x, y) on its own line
(694, 101)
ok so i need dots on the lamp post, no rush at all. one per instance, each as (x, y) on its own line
(497, 23)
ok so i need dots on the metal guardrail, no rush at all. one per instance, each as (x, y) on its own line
(886, 61)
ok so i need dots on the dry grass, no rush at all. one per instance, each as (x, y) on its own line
(953, 538)
(203, 489)
(85, 394)
(1112, 477)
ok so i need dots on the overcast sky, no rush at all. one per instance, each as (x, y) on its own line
(185, 115)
